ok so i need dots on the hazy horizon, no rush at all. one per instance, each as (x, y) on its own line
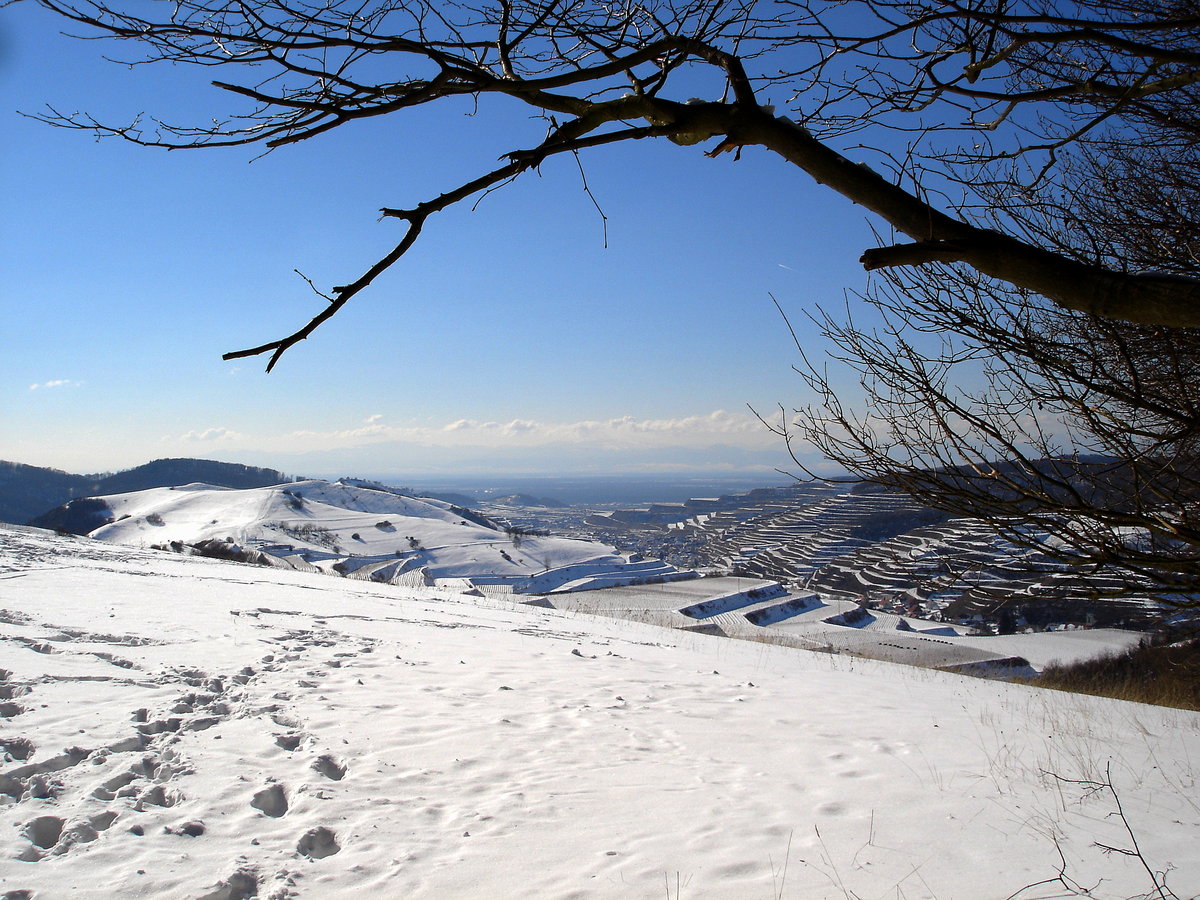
(572, 487)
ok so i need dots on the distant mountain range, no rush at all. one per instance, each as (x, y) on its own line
(29, 491)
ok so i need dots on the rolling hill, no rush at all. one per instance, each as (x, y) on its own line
(29, 491)
(351, 528)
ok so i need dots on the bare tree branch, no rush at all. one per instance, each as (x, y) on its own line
(1041, 79)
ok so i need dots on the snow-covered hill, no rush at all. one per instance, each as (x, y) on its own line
(365, 530)
(189, 728)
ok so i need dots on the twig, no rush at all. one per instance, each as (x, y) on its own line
(1160, 885)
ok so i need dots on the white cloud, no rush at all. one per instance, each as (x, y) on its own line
(716, 424)
(371, 420)
(347, 437)
(716, 427)
(516, 426)
(210, 434)
(55, 383)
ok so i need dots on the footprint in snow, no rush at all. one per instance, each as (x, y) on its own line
(318, 843)
(44, 831)
(17, 748)
(157, 796)
(330, 767)
(241, 885)
(271, 800)
(12, 691)
(187, 829)
(290, 741)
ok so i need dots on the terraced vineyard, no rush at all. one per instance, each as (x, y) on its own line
(893, 554)
(799, 541)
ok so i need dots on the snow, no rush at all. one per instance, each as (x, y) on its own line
(349, 525)
(184, 727)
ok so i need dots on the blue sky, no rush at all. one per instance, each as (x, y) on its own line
(509, 340)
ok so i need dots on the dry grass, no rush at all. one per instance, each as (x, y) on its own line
(1151, 672)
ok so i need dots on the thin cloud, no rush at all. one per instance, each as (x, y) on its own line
(209, 435)
(55, 383)
(718, 426)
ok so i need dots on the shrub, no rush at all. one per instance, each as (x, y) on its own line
(1155, 671)
(216, 549)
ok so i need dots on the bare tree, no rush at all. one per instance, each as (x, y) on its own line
(1075, 435)
(1080, 435)
(987, 97)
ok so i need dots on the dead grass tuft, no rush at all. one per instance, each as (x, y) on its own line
(1152, 672)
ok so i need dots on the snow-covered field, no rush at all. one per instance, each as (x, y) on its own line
(372, 530)
(182, 727)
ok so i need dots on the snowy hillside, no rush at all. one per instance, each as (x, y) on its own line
(369, 531)
(189, 728)
(891, 552)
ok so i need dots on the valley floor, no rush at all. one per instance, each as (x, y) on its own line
(182, 727)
